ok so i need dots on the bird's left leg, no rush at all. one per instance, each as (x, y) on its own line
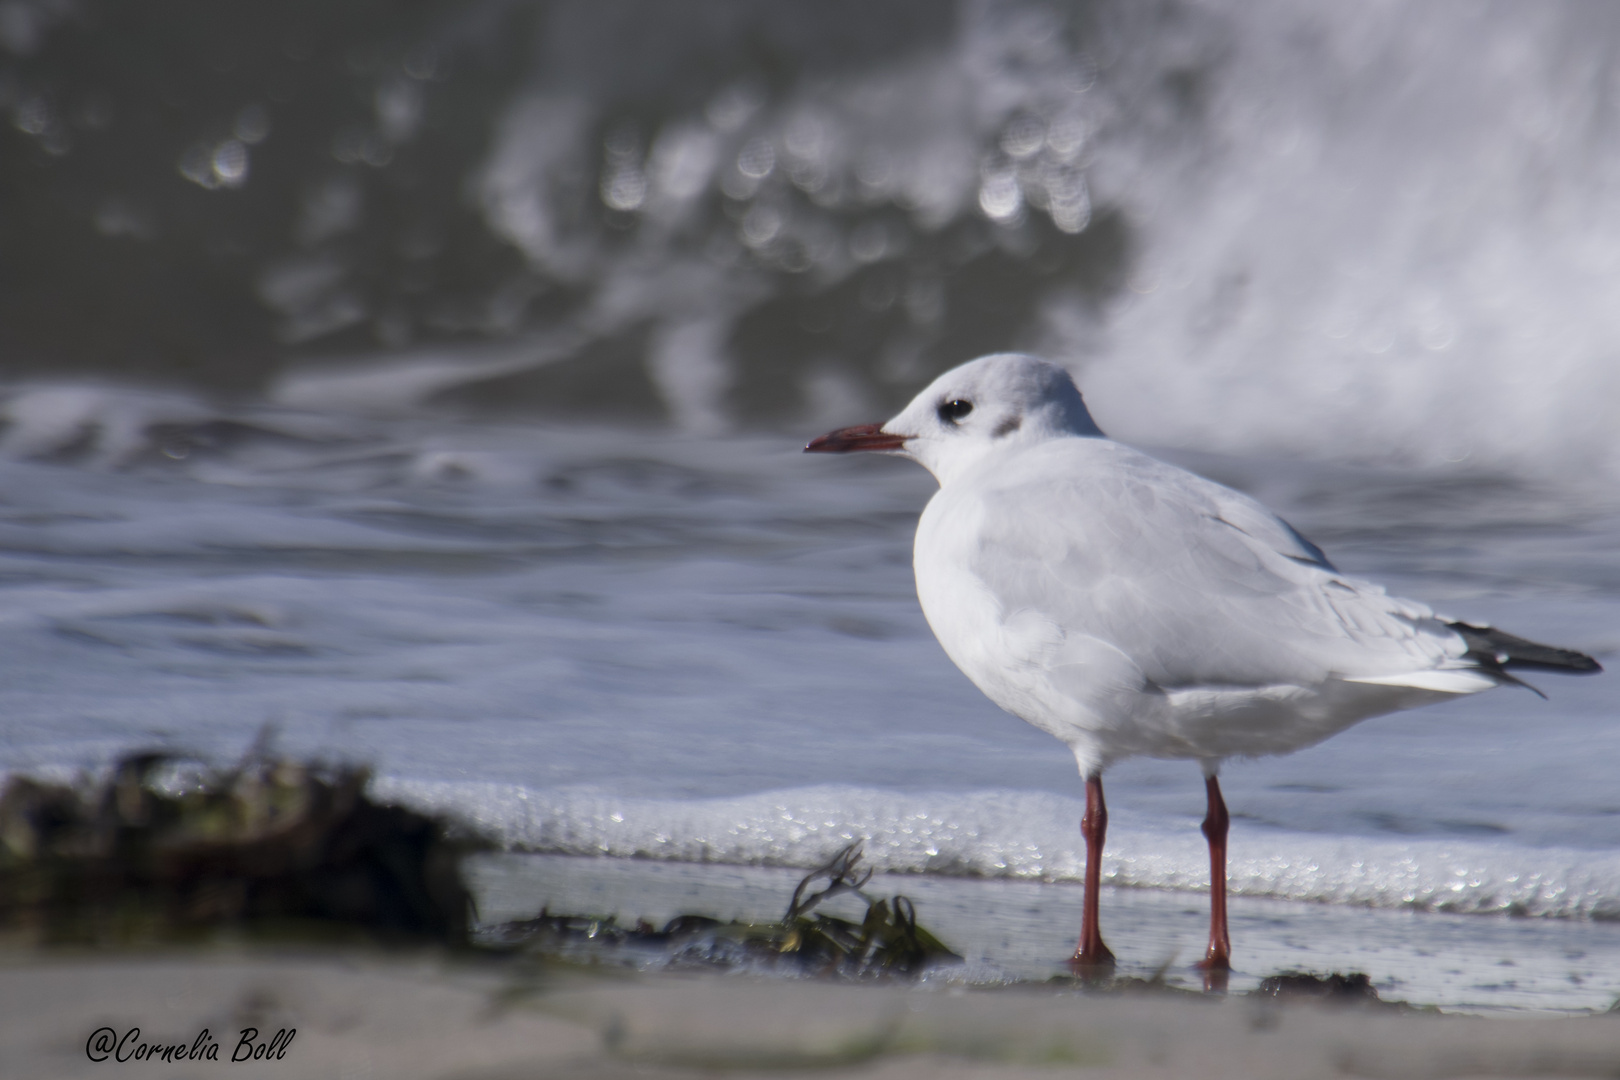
(1218, 958)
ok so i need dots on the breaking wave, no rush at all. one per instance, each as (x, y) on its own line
(1028, 836)
(1252, 226)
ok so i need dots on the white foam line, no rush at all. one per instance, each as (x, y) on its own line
(1023, 835)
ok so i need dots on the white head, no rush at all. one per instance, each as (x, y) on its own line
(973, 410)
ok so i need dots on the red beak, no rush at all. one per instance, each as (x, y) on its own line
(864, 437)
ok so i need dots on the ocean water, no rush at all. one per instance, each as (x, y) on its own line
(594, 641)
(431, 390)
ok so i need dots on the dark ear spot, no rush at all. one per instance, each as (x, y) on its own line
(1008, 426)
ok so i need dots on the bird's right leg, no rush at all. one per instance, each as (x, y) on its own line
(1092, 953)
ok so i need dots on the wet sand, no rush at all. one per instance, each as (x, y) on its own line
(1022, 930)
(362, 1014)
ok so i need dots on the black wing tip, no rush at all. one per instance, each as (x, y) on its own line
(1494, 648)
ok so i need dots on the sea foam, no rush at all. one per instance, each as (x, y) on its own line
(1027, 836)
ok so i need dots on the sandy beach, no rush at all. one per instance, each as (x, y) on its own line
(366, 1014)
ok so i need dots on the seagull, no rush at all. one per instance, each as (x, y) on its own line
(1130, 607)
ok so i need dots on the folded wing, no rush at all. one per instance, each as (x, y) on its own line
(1199, 585)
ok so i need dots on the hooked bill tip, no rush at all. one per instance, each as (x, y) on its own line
(862, 437)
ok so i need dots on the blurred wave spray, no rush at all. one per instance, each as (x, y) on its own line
(1382, 232)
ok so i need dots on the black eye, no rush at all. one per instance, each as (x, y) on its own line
(954, 410)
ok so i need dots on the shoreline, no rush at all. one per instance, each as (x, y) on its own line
(1018, 932)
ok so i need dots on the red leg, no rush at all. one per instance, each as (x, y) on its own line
(1092, 952)
(1218, 958)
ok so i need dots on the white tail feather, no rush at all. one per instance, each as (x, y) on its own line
(1446, 681)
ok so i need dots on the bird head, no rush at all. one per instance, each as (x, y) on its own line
(974, 410)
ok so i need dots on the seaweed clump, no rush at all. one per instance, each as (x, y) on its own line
(886, 942)
(270, 847)
(1355, 988)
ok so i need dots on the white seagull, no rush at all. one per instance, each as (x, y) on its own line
(1130, 607)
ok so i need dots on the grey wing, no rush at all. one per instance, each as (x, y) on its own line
(1253, 520)
(1197, 584)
